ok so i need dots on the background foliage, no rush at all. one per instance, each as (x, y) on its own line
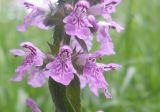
(135, 87)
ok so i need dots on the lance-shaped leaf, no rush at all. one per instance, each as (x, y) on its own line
(82, 44)
(73, 94)
(66, 98)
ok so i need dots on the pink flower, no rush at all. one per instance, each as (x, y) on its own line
(77, 24)
(93, 72)
(38, 14)
(61, 69)
(33, 58)
(105, 8)
(104, 39)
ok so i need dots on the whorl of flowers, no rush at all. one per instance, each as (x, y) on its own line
(78, 22)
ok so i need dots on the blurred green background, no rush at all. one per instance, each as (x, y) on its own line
(135, 88)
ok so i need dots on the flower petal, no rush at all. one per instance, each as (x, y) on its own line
(83, 81)
(112, 66)
(36, 78)
(22, 28)
(37, 56)
(83, 33)
(64, 78)
(35, 18)
(103, 37)
(116, 26)
(20, 72)
(70, 29)
(17, 52)
(67, 19)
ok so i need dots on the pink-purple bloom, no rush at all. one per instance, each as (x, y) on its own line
(93, 74)
(76, 23)
(38, 14)
(61, 69)
(105, 8)
(103, 37)
(33, 58)
(109, 6)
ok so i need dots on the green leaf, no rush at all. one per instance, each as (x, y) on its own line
(66, 99)
(73, 94)
(82, 44)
